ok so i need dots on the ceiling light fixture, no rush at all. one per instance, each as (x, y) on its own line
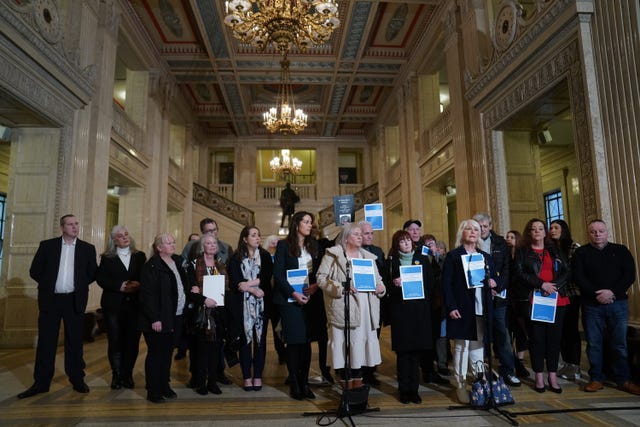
(282, 22)
(285, 165)
(284, 117)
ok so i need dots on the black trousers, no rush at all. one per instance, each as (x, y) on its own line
(408, 371)
(207, 358)
(48, 330)
(545, 343)
(571, 347)
(298, 363)
(123, 338)
(157, 365)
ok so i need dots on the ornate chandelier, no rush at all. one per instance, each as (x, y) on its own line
(282, 22)
(284, 117)
(285, 165)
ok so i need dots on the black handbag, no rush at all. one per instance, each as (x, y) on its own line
(201, 320)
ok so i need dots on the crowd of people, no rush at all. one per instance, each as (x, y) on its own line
(460, 307)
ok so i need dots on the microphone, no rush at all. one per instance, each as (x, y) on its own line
(346, 283)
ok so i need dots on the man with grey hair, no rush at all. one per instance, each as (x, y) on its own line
(493, 244)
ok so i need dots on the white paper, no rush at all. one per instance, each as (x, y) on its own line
(213, 287)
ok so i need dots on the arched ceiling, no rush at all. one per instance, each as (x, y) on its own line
(342, 86)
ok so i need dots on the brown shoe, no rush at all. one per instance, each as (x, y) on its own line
(593, 386)
(630, 387)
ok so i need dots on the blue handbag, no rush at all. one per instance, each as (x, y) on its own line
(482, 389)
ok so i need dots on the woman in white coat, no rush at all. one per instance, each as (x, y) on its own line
(364, 307)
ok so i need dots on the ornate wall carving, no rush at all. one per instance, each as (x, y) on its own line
(565, 64)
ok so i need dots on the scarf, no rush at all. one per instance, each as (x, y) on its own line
(405, 259)
(202, 270)
(253, 309)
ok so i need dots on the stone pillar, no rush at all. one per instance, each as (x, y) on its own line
(31, 212)
(411, 187)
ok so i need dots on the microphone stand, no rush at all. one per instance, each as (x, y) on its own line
(344, 408)
(487, 302)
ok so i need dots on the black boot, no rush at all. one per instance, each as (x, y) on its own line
(294, 391)
(115, 381)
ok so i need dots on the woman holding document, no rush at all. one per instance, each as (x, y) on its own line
(541, 268)
(250, 272)
(410, 308)
(294, 274)
(466, 272)
(207, 337)
(348, 261)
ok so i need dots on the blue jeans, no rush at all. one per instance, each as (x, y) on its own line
(609, 319)
(502, 341)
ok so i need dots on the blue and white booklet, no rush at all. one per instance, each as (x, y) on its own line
(543, 308)
(412, 285)
(297, 279)
(374, 213)
(473, 265)
(364, 277)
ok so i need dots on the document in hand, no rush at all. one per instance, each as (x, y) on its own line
(473, 265)
(543, 308)
(364, 278)
(297, 279)
(412, 286)
(213, 287)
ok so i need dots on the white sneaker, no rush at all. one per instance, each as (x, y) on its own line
(569, 371)
(512, 380)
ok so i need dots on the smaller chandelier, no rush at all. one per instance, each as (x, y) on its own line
(285, 165)
(282, 22)
(284, 117)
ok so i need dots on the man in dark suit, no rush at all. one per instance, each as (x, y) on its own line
(497, 247)
(64, 268)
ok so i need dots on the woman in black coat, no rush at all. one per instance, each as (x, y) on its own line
(250, 273)
(407, 339)
(206, 342)
(465, 305)
(298, 250)
(541, 266)
(119, 278)
(162, 301)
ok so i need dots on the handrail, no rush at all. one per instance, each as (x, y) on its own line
(222, 205)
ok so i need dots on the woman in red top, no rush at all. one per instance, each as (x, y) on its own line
(540, 266)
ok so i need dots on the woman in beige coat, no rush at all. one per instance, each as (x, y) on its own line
(364, 307)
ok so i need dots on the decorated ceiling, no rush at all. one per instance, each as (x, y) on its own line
(342, 85)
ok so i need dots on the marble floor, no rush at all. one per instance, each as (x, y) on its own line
(272, 406)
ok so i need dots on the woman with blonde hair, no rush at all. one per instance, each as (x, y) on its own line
(464, 299)
(162, 301)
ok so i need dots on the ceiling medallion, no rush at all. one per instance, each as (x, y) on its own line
(283, 23)
(284, 117)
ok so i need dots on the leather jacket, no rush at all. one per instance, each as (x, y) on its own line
(527, 269)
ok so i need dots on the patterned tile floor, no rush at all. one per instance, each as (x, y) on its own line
(61, 406)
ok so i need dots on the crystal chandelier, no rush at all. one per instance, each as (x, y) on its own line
(282, 22)
(284, 117)
(285, 165)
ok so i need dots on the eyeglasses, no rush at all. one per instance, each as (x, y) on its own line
(211, 230)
